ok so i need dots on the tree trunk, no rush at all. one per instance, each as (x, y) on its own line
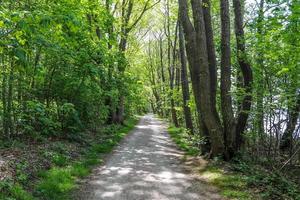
(198, 60)
(171, 65)
(162, 74)
(10, 100)
(185, 83)
(259, 118)
(226, 100)
(211, 53)
(190, 39)
(4, 103)
(293, 115)
(246, 72)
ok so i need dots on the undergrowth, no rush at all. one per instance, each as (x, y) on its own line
(185, 141)
(239, 179)
(58, 182)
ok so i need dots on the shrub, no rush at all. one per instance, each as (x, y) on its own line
(37, 121)
(69, 119)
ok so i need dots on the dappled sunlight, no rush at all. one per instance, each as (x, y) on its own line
(146, 165)
(211, 175)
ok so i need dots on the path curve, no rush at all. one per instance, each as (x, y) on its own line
(145, 166)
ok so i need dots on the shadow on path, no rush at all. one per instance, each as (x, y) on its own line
(146, 166)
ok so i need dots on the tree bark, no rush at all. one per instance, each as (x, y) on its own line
(293, 115)
(190, 39)
(211, 53)
(4, 103)
(226, 100)
(198, 62)
(10, 123)
(246, 72)
(172, 76)
(259, 118)
(185, 83)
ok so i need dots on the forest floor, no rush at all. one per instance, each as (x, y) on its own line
(146, 165)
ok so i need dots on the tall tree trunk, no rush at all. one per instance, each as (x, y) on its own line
(211, 121)
(190, 39)
(171, 64)
(211, 53)
(109, 102)
(185, 83)
(259, 118)
(226, 100)
(246, 72)
(162, 74)
(10, 100)
(198, 60)
(4, 103)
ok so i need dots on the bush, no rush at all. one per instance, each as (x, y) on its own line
(69, 119)
(37, 120)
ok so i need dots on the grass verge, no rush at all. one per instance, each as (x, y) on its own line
(183, 140)
(239, 179)
(232, 186)
(59, 181)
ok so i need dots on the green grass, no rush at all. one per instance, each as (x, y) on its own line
(11, 191)
(59, 182)
(183, 140)
(232, 186)
(56, 184)
(237, 179)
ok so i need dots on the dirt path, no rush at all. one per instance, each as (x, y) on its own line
(146, 166)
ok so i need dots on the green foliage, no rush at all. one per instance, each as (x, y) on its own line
(11, 191)
(232, 185)
(36, 120)
(69, 119)
(58, 182)
(271, 184)
(59, 160)
(81, 169)
(21, 175)
(62, 74)
(185, 141)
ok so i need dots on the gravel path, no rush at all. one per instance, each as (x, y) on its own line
(145, 166)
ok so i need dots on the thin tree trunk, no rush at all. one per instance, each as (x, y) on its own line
(259, 118)
(4, 103)
(162, 74)
(293, 115)
(10, 100)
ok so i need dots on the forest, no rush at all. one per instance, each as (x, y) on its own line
(77, 75)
